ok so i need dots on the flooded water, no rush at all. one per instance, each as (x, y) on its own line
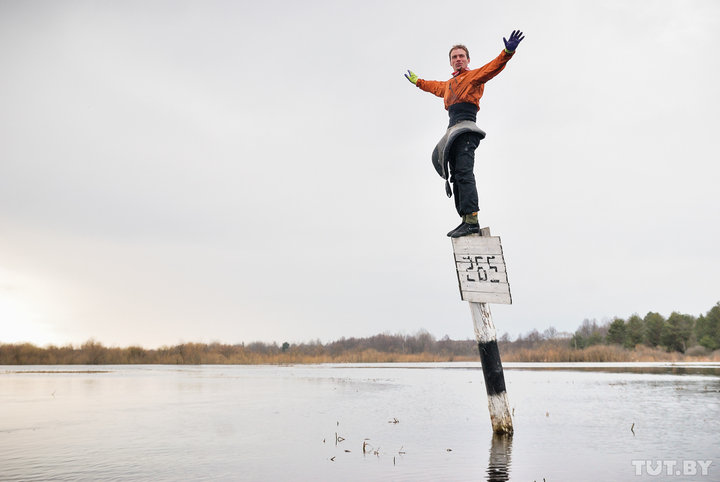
(574, 422)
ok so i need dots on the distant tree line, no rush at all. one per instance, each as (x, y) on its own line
(616, 340)
(379, 348)
(677, 333)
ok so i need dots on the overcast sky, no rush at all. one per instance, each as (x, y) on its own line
(176, 171)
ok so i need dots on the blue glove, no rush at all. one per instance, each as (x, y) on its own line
(515, 38)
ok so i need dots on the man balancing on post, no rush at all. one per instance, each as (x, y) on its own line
(457, 148)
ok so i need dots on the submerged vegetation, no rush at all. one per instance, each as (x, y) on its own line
(651, 338)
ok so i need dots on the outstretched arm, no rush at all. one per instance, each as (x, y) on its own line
(432, 86)
(495, 66)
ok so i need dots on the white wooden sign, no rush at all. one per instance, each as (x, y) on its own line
(481, 269)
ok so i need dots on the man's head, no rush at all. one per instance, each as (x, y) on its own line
(459, 57)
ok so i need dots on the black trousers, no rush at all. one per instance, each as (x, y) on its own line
(462, 177)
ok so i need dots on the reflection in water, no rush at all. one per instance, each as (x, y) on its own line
(499, 465)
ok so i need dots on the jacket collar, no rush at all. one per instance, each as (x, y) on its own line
(458, 72)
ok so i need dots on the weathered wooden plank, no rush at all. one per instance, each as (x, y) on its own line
(489, 250)
(479, 257)
(484, 270)
(477, 297)
(469, 241)
(484, 287)
(474, 263)
(482, 277)
(477, 245)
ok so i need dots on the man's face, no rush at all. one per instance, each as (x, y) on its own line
(458, 59)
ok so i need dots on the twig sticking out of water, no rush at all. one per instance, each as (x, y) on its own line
(632, 428)
(394, 420)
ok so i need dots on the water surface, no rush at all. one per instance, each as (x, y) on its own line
(356, 422)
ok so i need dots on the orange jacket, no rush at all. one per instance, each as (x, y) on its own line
(466, 86)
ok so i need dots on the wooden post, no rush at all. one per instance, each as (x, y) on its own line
(482, 279)
(486, 337)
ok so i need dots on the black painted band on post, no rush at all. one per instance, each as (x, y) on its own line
(492, 367)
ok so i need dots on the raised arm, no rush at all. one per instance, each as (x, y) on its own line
(495, 66)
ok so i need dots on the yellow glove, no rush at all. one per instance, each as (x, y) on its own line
(411, 76)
